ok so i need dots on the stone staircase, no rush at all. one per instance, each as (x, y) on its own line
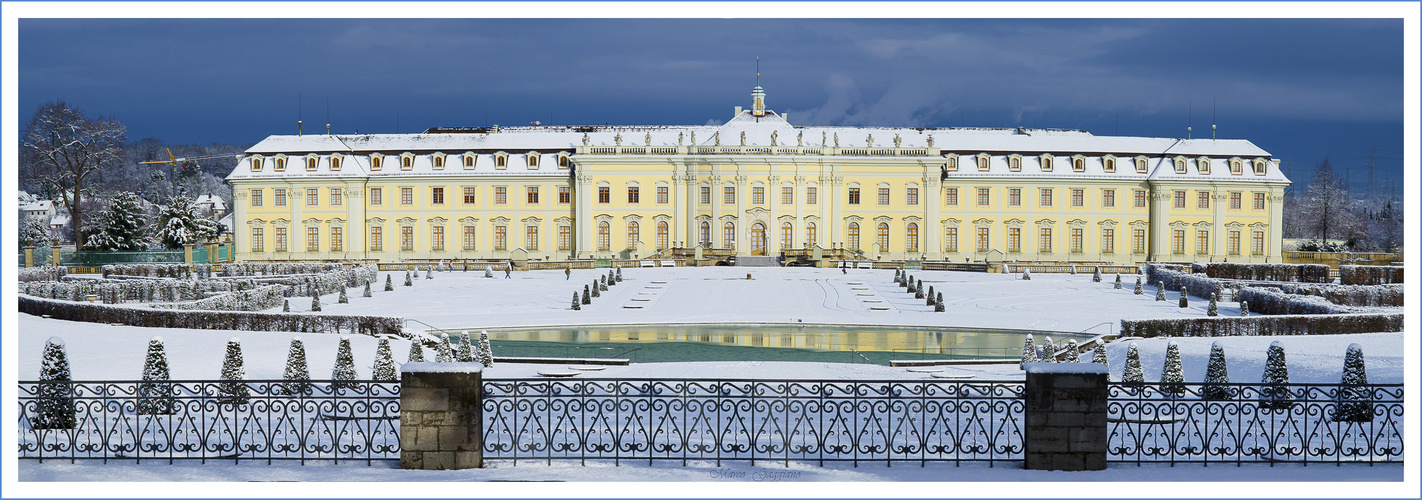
(756, 261)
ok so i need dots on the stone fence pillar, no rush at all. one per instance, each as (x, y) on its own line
(1065, 412)
(441, 416)
(29, 256)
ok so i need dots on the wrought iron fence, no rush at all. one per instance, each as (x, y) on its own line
(1236, 423)
(753, 420)
(340, 421)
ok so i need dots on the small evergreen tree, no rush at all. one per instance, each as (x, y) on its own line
(577, 304)
(1244, 308)
(296, 370)
(1073, 354)
(233, 390)
(619, 274)
(408, 281)
(930, 295)
(594, 289)
(342, 299)
(1073, 269)
(602, 284)
(429, 273)
(1139, 289)
(54, 407)
(315, 303)
(1098, 356)
(367, 290)
(123, 227)
(1172, 374)
(1274, 395)
(286, 305)
(345, 364)
(1118, 281)
(1160, 292)
(488, 271)
(611, 278)
(1184, 298)
(486, 351)
(1217, 375)
(1213, 309)
(417, 352)
(1026, 274)
(1049, 351)
(918, 290)
(465, 354)
(1133, 372)
(384, 368)
(938, 303)
(1096, 276)
(897, 275)
(445, 354)
(587, 299)
(1029, 352)
(1355, 400)
(389, 287)
(155, 394)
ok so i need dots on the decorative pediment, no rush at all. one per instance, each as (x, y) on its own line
(1178, 225)
(438, 220)
(1107, 223)
(256, 222)
(728, 218)
(703, 218)
(1258, 226)
(564, 220)
(1203, 225)
(983, 222)
(375, 221)
(531, 221)
(500, 221)
(1140, 224)
(280, 222)
(853, 218)
(757, 212)
(632, 218)
(1076, 223)
(1047, 222)
(951, 222)
(602, 218)
(913, 218)
(787, 218)
(336, 222)
(312, 222)
(812, 218)
(883, 219)
(1014, 222)
(1236, 225)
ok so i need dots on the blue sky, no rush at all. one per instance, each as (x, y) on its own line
(1302, 89)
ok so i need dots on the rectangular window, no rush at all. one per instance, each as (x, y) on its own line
(501, 195)
(256, 197)
(437, 238)
(1014, 239)
(951, 239)
(1234, 242)
(1108, 240)
(501, 238)
(1046, 195)
(437, 196)
(663, 195)
(337, 239)
(1202, 242)
(531, 197)
(1256, 245)
(1204, 202)
(279, 195)
(1044, 240)
(313, 239)
(565, 195)
(377, 238)
(912, 196)
(983, 197)
(812, 195)
(257, 239)
(883, 196)
(335, 197)
(982, 239)
(530, 238)
(565, 237)
(407, 238)
(729, 195)
(280, 239)
(1076, 237)
(604, 194)
(758, 195)
(1108, 198)
(950, 197)
(853, 196)
(1014, 197)
(705, 195)
(313, 197)
(1258, 201)
(1177, 241)
(1138, 243)
(407, 196)
(469, 237)
(1179, 199)
(787, 195)
(1078, 197)
(634, 194)
(469, 197)
(375, 198)
(1236, 200)
(1140, 198)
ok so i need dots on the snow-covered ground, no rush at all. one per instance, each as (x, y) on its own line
(1056, 302)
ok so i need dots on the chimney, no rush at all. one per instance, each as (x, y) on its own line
(738, 112)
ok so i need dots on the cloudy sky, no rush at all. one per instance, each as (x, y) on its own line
(1303, 89)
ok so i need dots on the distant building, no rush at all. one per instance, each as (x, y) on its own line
(211, 204)
(758, 185)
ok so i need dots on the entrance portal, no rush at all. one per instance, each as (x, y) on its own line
(758, 239)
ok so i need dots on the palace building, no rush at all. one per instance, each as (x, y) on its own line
(757, 185)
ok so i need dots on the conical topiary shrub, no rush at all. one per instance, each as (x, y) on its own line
(1132, 371)
(155, 393)
(1098, 356)
(1217, 376)
(366, 293)
(1049, 351)
(1184, 298)
(465, 354)
(619, 274)
(1026, 274)
(938, 303)
(417, 352)
(54, 404)
(486, 351)
(344, 368)
(286, 305)
(408, 281)
(1118, 281)
(1213, 309)
(586, 298)
(444, 354)
(1172, 374)
(315, 303)
(429, 273)
(1355, 399)
(296, 371)
(233, 390)
(389, 286)
(1096, 276)
(342, 299)
(577, 304)
(1073, 354)
(1160, 292)
(1029, 352)
(1139, 289)
(1275, 395)
(384, 368)
(918, 290)
(611, 278)
(595, 293)
(1244, 308)
(930, 295)
(602, 284)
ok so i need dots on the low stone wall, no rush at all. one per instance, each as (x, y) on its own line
(1065, 412)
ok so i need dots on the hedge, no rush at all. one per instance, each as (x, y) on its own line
(212, 320)
(1272, 301)
(1227, 326)
(1307, 273)
(43, 273)
(1174, 278)
(1369, 275)
(265, 297)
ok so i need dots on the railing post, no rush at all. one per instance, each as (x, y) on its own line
(1065, 410)
(441, 416)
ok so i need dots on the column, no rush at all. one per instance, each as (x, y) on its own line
(932, 227)
(772, 233)
(742, 228)
(1158, 247)
(679, 221)
(583, 224)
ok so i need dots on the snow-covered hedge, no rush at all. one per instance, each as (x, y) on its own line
(43, 273)
(1369, 275)
(1307, 298)
(116, 291)
(1272, 301)
(1175, 278)
(1225, 326)
(1307, 273)
(265, 297)
(212, 320)
(271, 269)
(151, 270)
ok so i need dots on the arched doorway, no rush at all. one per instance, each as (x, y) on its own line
(758, 239)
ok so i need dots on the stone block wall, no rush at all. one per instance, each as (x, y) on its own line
(441, 416)
(1065, 413)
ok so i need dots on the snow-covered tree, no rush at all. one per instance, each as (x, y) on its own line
(61, 149)
(1132, 371)
(286, 305)
(180, 222)
(1217, 375)
(611, 278)
(930, 295)
(1214, 309)
(619, 274)
(1073, 269)
(1327, 210)
(1160, 291)
(445, 354)
(1139, 289)
(594, 289)
(342, 299)
(1096, 276)
(1184, 297)
(486, 351)
(408, 281)
(1073, 354)
(123, 227)
(1243, 308)
(918, 289)
(1026, 274)
(345, 364)
(465, 354)
(429, 275)
(488, 271)
(417, 352)
(155, 394)
(602, 284)
(296, 371)
(577, 304)
(1098, 356)
(587, 299)
(384, 368)
(1386, 228)
(938, 303)
(1172, 374)
(367, 290)
(898, 276)
(233, 390)
(1355, 400)
(34, 232)
(389, 287)
(1274, 395)
(1029, 352)
(1049, 351)
(1118, 281)
(54, 405)
(315, 303)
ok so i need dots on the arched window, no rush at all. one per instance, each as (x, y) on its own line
(663, 235)
(706, 235)
(912, 232)
(809, 234)
(882, 237)
(634, 234)
(787, 235)
(728, 235)
(604, 236)
(854, 235)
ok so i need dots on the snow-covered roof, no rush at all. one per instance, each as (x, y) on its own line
(46, 206)
(59, 220)
(214, 200)
(26, 197)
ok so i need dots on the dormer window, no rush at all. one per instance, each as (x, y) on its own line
(469, 160)
(563, 160)
(1202, 164)
(1078, 163)
(1014, 162)
(312, 161)
(984, 162)
(407, 161)
(1142, 164)
(336, 162)
(1108, 163)
(1261, 166)
(280, 163)
(1046, 162)
(438, 160)
(952, 165)
(532, 160)
(1179, 162)
(375, 160)
(501, 160)
(256, 163)
(1236, 166)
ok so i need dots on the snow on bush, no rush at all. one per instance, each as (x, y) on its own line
(443, 352)
(1096, 276)
(1307, 273)
(1369, 275)
(155, 396)
(465, 354)
(1073, 354)
(1026, 274)
(1160, 292)
(486, 351)
(233, 390)
(1354, 399)
(1029, 352)
(1272, 301)
(54, 406)
(389, 286)
(408, 282)
(211, 320)
(1214, 309)
(594, 289)
(1217, 375)
(1295, 324)
(1345, 295)
(930, 295)
(1244, 308)
(1170, 278)
(577, 304)
(1133, 372)
(1172, 374)
(938, 303)
(345, 364)
(43, 273)
(417, 353)
(1098, 356)
(273, 269)
(1276, 373)
(384, 368)
(296, 370)
(366, 293)
(587, 299)
(1139, 290)
(1184, 299)
(1049, 351)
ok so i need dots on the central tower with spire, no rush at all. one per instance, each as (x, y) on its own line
(757, 93)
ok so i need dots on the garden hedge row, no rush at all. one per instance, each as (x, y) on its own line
(211, 320)
(1303, 324)
(1369, 275)
(1306, 273)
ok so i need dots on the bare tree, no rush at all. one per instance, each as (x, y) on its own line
(64, 148)
(1327, 210)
